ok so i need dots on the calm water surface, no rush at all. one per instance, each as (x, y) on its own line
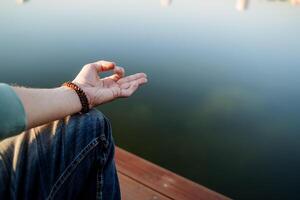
(222, 106)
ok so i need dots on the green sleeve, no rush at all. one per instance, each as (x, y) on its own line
(12, 113)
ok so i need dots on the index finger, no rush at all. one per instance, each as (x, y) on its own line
(120, 71)
(103, 65)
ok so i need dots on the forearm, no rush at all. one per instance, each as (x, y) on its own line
(46, 105)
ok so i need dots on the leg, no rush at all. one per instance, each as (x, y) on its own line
(66, 159)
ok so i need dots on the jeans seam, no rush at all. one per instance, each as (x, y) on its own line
(99, 184)
(71, 167)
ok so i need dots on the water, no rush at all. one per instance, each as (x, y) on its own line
(222, 106)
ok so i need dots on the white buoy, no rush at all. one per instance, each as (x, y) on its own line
(165, 3)
(242, 5)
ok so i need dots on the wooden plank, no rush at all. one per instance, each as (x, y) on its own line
(161, 180)
(132, 190)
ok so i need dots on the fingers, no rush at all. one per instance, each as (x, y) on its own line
(103, 66)
(128, 88)
(141, 81)
(126, 85)
(129, 91)
(119, 72)
(132, 78)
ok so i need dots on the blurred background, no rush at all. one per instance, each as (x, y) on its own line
(222, 106)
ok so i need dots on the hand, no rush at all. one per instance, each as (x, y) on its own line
(102, 90)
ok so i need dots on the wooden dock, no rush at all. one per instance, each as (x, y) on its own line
(143, 180)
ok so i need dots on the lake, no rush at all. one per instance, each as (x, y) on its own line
(222, 106)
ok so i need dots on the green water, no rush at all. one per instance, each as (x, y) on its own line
(222, 106)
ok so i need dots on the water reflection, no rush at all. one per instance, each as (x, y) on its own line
(163, 3)
(242, 5)
(295, 2)
(19, 2)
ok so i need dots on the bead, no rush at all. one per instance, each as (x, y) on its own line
(82, 96)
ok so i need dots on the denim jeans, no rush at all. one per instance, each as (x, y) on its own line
(72, 158)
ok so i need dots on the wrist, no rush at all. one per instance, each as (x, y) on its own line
(89, 96)
(88, 93)
(70, 96)
(81, 96)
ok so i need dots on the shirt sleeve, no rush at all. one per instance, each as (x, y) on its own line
(12, 113)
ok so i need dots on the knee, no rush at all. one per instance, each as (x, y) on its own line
(92, 115)
(78, 130)
(91, 125)
(95, 125)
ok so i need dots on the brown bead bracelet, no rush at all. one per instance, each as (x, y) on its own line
(82, 96)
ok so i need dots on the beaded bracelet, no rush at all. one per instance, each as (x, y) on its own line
(82, 96)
